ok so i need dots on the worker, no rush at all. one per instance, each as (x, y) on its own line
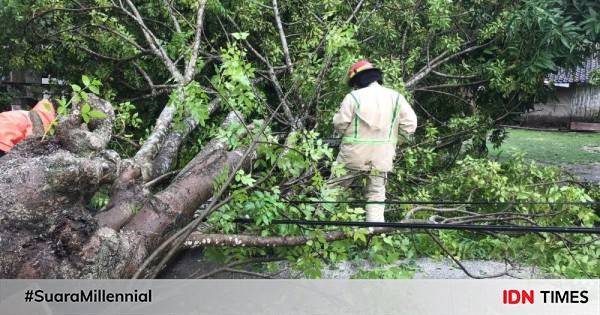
(17, 125)
(369, 120)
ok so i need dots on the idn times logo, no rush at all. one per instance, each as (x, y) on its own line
(514, 296)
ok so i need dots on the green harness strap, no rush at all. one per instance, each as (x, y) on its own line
(355, 139)
(394, 116)
(355, 119)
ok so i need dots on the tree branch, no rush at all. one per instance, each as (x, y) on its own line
(355, 11)
(440, 86)
(172, 15)
(190, 68)
(120, 35)
(445, 93)
(294, 122)
(286, 52)
(160, 178)
(145, 155)
(197, 239)
(453, 76)
(180, 237)
(234, 264)
(167, 154)
(151, 39)
(439, 60)
(412, 211)
(457, 262)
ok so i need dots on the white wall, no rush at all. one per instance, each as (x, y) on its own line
(578, 103)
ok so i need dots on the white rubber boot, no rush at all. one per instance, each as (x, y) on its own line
(375, 214)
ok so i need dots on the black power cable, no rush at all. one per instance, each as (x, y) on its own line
(443, 202)
(466, 227)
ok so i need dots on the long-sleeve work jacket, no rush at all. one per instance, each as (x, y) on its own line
(369, 120)
(16, 125)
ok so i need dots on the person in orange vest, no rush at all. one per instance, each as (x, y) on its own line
(16, 125)
(370, 119)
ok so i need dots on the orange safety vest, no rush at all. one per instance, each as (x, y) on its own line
(16, 125)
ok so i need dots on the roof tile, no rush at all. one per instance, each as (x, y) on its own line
(580, 74)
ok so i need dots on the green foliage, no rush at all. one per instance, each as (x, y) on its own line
(513, 45)
(232, 135)
(259, 196)
(135, 208)
(233, 81)
(513, 179)
(189, 101)
(395, 272)
(564, 38)
(80, 97)
(387, 249)
(126, 125)
(126, 116)
(439, 12)
(595, 77)
(307, 150)
(100, 199)
(340, 38)
(87, 113)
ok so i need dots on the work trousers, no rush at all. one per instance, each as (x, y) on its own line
(374, 191)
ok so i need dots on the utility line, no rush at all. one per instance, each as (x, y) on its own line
(434, 226)
(443, 202)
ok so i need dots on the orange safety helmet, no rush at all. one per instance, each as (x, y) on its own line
(360, 66)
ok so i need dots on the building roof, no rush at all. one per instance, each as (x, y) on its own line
(580, 74)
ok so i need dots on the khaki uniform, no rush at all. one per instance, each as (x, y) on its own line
(369, 120)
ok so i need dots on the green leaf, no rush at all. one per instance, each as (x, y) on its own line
(94, 89)
(85, 108)
(75, 99)
(241, 35)
(97, 114)
(85, 79)
(76, 87)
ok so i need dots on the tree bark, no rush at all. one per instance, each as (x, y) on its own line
(166, 157)
(197, 239)
(46, 228)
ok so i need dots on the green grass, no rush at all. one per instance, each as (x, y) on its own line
(550, 147)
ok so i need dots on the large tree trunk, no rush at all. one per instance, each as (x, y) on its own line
(46, 231)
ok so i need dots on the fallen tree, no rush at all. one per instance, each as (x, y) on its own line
(47, 232)
(282, 60)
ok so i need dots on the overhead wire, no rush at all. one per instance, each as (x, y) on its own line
(444, 202)
(437, 226)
